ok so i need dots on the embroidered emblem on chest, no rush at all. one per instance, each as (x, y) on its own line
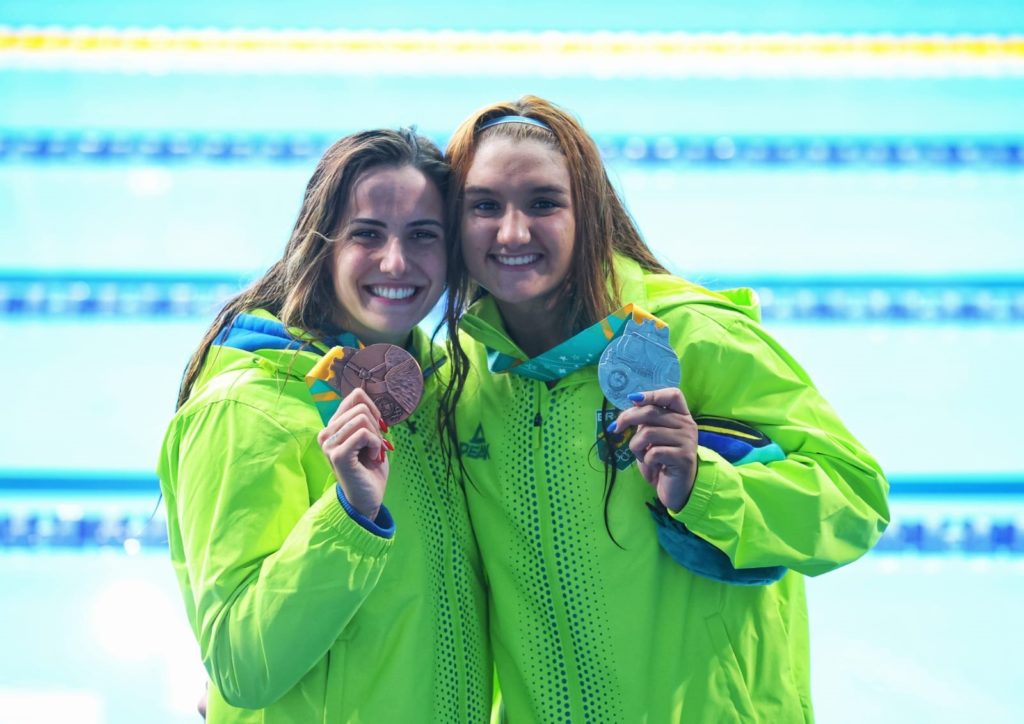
(613, 447)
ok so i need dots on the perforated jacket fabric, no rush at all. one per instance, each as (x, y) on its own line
(592, 626)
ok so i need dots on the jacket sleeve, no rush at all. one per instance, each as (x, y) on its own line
(821, 507)
(274, 581)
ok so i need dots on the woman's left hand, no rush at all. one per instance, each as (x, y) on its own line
(665, 443)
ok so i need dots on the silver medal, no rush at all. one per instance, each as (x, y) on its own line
(640, 360)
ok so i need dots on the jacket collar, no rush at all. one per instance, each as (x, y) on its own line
(483, 322)
(651, 292)
(260, 332)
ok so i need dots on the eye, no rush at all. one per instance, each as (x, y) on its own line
(485, 206)
(425, 236)
(544, 204)
(365, 236)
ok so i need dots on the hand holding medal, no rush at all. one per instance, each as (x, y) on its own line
(377, 386)
(639, 373)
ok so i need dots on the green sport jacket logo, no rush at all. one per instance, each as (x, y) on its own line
(477, 447)
(613, 448)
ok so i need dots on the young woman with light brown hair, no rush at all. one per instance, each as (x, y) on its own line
(591, 620)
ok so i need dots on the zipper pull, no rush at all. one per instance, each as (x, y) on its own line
(537, 420)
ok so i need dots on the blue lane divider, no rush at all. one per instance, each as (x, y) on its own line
(47, 146)
(954, 535)
(53, 529)
(901, 486)
(49, 522)
(993, 300)
(50, 530)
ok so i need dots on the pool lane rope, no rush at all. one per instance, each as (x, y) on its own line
(548, 54)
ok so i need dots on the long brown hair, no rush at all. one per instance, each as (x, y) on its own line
(603, 228)
(298, 288)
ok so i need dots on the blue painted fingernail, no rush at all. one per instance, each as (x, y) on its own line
(611, 428)
(635, 396)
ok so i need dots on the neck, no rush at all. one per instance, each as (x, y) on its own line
(367, 337)
(535, 328)
(370, 336)
(399, 340)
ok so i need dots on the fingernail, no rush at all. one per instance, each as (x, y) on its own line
(613, 426)
(389, 446)
(383, 453)
(383, 425)
(635, 396)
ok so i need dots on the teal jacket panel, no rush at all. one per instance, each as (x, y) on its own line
(302, 614)
(592, 625)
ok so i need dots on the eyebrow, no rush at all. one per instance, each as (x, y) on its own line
(382, 225)
(535, 190)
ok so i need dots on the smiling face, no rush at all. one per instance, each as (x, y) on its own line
(518, 223)
(389, 255)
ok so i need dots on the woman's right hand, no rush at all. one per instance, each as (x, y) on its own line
(353, 444)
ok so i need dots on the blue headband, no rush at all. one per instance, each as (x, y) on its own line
(514, 119)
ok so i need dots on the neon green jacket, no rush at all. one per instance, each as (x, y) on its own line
(301, 613)
(585, 630)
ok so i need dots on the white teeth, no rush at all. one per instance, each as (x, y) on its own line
(517, 260)
(393, 292)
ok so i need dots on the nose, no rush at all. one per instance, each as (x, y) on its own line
(392, 261)
(514, 229)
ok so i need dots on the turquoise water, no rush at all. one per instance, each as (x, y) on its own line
(914, 394)
(100, 636)
(922, 16)
(706, 222)
(341, 104)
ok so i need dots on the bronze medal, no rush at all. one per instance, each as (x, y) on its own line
(389, 375)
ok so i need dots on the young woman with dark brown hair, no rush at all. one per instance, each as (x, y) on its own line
(327, 579)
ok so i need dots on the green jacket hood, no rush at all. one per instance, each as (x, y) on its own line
(258, 339)
(661, 291)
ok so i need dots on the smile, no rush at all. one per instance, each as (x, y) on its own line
(521, 260)
(391, 292)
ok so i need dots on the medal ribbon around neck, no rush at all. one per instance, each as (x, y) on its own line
(320, 379)
(579, 351)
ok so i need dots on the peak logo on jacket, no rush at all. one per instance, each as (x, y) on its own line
(477, 447)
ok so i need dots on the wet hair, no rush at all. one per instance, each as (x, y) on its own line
(298, 289)
(604, 228)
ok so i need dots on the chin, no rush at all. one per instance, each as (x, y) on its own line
(400, 327)
(519, 295)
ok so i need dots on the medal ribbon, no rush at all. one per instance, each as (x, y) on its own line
(325, 397)
(575, 353)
